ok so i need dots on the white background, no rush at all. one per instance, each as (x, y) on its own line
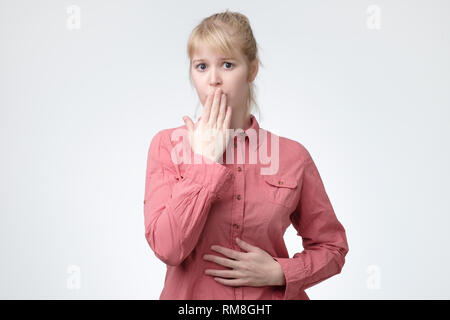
(79, 108)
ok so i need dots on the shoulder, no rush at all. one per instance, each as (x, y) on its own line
(163, 145)
(291, 150)
(168, 136)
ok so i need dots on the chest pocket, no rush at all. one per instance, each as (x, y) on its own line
(280, 189)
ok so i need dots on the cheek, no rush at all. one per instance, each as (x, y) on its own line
(201, 89)
(197, 82)
(239, 84)
(239, 91)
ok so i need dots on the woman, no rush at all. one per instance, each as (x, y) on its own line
(218, 225)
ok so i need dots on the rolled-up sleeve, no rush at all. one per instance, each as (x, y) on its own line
(323, 237)
(176, 206)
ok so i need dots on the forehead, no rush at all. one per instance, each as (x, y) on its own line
(206, 52)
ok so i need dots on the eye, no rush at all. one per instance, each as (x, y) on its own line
(202, 64)
(228, 63)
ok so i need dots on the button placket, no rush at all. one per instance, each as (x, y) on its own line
(237, 215)
(238, 207)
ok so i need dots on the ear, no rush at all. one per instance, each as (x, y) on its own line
(254, 66)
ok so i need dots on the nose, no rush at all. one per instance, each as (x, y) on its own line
(215, 78)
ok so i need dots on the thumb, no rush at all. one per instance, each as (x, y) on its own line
(189, 123)
(190, 127)
(245, 245)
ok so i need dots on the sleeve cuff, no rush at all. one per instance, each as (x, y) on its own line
(294, 272)
(214, 176)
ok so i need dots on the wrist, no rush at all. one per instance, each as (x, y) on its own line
(278, 275)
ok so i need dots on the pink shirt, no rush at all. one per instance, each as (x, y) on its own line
(189, 207)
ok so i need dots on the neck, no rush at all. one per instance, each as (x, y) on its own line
(240, 119)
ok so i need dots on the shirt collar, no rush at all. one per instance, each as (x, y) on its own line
(253, 127)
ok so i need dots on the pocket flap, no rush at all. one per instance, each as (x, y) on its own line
(281, 181)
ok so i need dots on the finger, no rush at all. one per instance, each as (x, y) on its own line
(227, 121)
(215, 108)
(231, 282)
(246, 246)
(230, 253)
(207, 108)
(222, 261)
(222, 273)
(226, 125)
(222, 110)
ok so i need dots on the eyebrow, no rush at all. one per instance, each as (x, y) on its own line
(218, 59)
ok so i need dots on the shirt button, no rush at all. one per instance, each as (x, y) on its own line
(236, 226)
(239, 169)
(280, 182)
(238, 197)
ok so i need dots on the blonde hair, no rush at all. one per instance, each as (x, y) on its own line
(230, 33)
